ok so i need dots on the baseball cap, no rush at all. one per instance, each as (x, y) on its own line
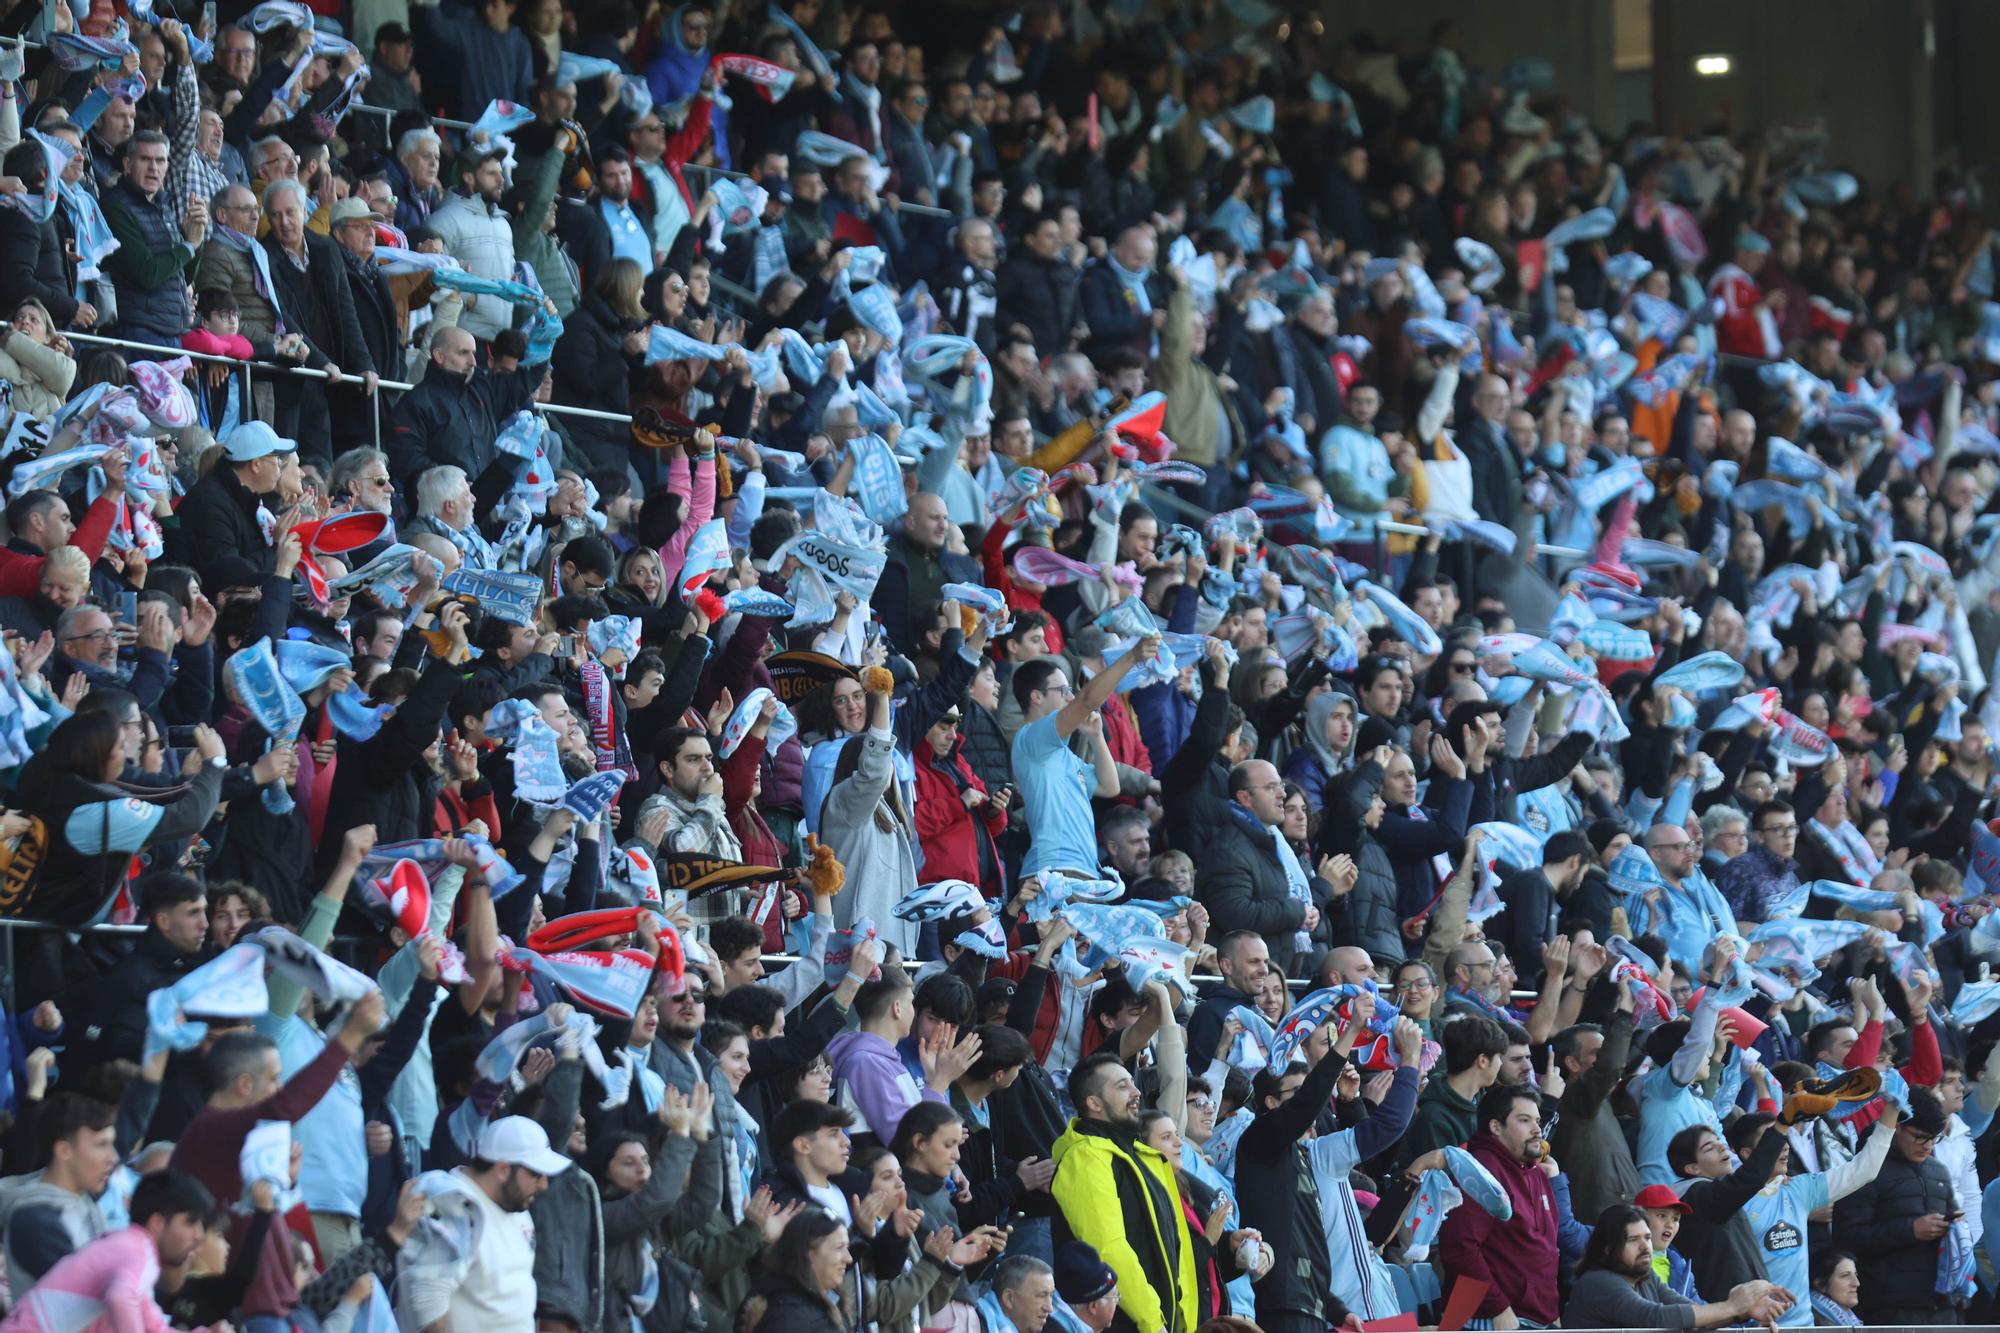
(1659, 1196)
(350, 210)
(253, 440)
(519, 1141)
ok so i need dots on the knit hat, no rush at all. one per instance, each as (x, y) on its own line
(1081, 1276)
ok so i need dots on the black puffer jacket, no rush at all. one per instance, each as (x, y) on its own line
(592, 369)
(1366, 914)
(1876, 1222)
(1242, 882)
(790, 1308)
(219, 518)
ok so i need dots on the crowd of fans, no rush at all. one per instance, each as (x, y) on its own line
(1107, 666)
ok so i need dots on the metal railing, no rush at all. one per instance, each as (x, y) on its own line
(246, 368)
(357, 945)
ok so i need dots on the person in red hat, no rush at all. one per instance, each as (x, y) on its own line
(1664, 1210)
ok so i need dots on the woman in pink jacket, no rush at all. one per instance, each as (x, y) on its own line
(107, 1286)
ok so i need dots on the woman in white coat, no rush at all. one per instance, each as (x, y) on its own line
(863, 820)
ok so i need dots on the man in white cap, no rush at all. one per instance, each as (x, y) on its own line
(471, 1265)
(228, 511)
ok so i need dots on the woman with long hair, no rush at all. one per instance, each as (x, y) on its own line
(806, 1277)
(1208, 1218)
(1836, 1289)
(94, 825)
(863, 820)
(646, 1201)
(600, 357)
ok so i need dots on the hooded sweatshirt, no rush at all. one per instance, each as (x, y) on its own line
(873, 1082)
(1517, 1258)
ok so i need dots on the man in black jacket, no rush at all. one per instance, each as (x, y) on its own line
(309, 284)
(1244, 960)
(226, 512)
(1249, 877)
(454, 416)
(1195, 783)
(1533, 895)
(175, 909)
(1280, 1172)
(353, 226)
(1037, 288)
(1895, 1225)
(1716, 1237)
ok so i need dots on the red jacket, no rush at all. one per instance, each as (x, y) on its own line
(957, 844)
(993, 552)
(1517, 1259)
(760, 845)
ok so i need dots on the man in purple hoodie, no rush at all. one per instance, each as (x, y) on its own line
(870, 1075)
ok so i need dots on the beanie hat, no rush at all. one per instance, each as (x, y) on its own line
(1081, 1276)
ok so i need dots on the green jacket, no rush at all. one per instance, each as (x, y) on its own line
(1200, 420)
(1443, 1118)
(538, 247)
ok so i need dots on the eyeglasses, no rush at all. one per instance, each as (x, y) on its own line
(95, 636)
(1415, 983)
(382, 480)
(1921, 1137)
(1200, 1101)
(1066, 691)
(651, 127)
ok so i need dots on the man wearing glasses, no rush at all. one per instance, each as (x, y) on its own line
(1766, 875)
(1897, 1226)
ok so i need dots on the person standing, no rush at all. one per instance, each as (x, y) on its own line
(1895, 1225)
(1118, 1195)
(112, 1279)
(471, 1265)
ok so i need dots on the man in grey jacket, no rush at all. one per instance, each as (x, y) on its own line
(49, 1214)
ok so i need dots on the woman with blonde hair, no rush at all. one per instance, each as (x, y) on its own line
(36, 359)
(600, 357)
(65, 582)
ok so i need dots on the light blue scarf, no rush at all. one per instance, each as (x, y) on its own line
(260, 260)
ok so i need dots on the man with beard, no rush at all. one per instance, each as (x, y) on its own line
(612, 224)
(1115, 1193)
(495, 1288)
(1617, 1288)
(477, 232)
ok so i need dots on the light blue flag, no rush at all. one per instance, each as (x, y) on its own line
(875, 306)
(272, 703)
(1714, 670)
(878, 479)
(230, 986)
(1408, 625)
(708, 554)
(1853, 895)
(573, 68)
(1107, 928)
(1593, 225)
(501, 118)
